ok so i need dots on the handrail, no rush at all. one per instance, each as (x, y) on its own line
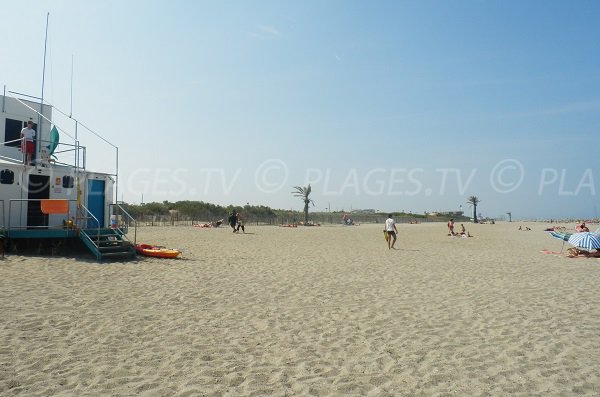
(10, 207)
(92, 217)
(73, 148)
(128, 220)
(76, 148)
(78, 225)
(14, 140)
(37, 112)
(2, 225)
(10, 159)
(70, 148)
(77, 122)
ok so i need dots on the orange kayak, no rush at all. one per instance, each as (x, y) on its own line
(157, 252)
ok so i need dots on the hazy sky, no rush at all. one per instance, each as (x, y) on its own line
(389, 105)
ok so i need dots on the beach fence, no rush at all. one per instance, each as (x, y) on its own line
(292, 217)
(186, 220)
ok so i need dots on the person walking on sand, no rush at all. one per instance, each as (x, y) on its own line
(232, 220)
(27, 146)
(391, 230)
(240, 222)
(451, 227)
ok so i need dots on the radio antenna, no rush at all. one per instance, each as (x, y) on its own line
(43, 77)
(71, 111)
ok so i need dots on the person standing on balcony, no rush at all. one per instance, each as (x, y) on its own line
(27, 146)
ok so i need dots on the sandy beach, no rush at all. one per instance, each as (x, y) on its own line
(309, 311)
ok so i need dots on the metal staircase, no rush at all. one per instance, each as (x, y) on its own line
(109, 243)
(106, 243)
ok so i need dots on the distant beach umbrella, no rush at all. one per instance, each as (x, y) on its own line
(585, 240)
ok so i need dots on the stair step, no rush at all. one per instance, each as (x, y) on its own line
(115, 248)
(110, 243)
(102, 232)
(123, 254)
(102, 235)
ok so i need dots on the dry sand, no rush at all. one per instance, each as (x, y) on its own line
(321, 311)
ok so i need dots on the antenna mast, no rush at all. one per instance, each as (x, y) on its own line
(71, 111)
(40, 119)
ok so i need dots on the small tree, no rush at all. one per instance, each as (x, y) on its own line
(303, 193)
(474, 201)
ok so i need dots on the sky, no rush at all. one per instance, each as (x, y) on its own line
(386, 105)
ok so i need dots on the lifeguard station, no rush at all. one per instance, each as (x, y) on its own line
(55, 199)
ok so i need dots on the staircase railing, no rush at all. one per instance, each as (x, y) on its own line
(121, 220)
(83, 224)
(3, 223)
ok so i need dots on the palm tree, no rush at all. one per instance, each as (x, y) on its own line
(474, 200)
(303, 193)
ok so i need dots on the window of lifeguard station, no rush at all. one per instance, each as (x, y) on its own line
(7, 177)
(12, 131)
(67, 181)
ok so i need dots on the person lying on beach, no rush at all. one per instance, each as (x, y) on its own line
(575, 252)
(209, 225)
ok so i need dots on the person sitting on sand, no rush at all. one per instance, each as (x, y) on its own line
(463, 231)
(582, 228)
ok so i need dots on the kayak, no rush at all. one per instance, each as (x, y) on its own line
(155, 251)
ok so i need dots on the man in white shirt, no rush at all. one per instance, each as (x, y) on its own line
(27, 146)
(390, 228)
